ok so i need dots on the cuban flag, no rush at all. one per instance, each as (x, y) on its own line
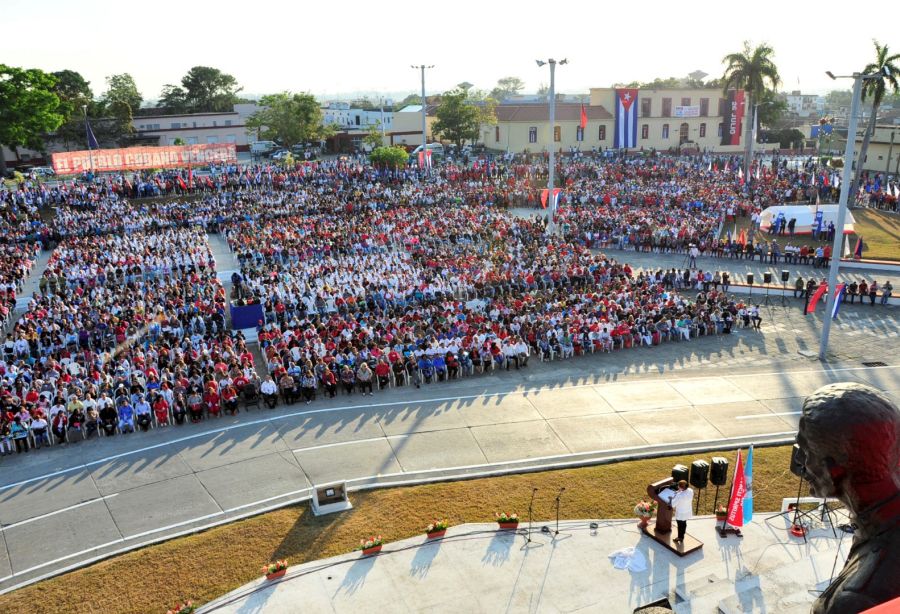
(626, 118)
(858, 250)
(838, 299)
(748, 479)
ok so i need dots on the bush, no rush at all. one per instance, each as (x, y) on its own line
(389, 157)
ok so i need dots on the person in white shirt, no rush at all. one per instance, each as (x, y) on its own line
(269, 392)
(682, 502)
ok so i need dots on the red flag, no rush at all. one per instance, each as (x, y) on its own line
(825, 181)
(190, 175)
(583, 123)
(544, 194)
(738, 489)
(742, 238)
(182, 184)
(814, 299)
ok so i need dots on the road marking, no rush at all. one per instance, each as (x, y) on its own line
(174, 526)
(63, 558)
(48, 514)
(770, 414)
(347, 443)
(549, 387)
(266, 500)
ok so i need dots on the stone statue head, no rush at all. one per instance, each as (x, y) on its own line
(848, 437)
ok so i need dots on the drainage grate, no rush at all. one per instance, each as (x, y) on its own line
(876, 363)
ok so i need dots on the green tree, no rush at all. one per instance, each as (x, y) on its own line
(875, 90)
(173, 99)
(754, 71)
(75, 95)
(506, 87)
(389, 157)
(289, 119)
(122, 89)
(29, 108)
(458, 119)
(209, 90)
(373, 135)
(178, 141)
(771, 108)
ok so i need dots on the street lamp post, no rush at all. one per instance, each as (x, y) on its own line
(846, 180)
(551, 227)
(753, 135)
(422, 67)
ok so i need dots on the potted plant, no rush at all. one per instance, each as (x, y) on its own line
(437, 529)
(721, 513)
(507, 521)
(371, 545)
(182, 608)
(275, 570)
(644, 510)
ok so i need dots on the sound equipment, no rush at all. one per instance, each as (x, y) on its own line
(767, 277)
(679, 472)
(719, 471)
(785, 276)
(699, 473)
(796, 465)
(749, 279)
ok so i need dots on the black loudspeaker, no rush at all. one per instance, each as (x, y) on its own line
(767, 277)
(785, 275)
(699, 473)
(718, 474)
(796, 465)
(749, 279)
(679, 472)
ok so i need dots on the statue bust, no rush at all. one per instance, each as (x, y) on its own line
(849, 439)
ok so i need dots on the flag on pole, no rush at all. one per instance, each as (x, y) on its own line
(748, 478)
(741, 175)
(583, 122)
(727, 166)
(545, 193)
(758, 166)
(626, 118)
(742, 238)
(814, 299)
(858, 250)
(91, 139)
(709, 168)
(735, 516)
(838, 299)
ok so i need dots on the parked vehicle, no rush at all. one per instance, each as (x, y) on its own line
(262, 147)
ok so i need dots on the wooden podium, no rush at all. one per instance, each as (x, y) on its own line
(661, 528)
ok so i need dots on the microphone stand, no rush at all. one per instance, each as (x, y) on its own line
(558, 495)
(530, 506)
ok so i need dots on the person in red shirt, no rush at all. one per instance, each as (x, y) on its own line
(161, 410)
(211, 398)
(230, 399)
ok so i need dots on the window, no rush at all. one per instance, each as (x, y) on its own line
(557, 134)
(191, 140)
(579, 133)
(702, 130)
(227, 122)
(645, 107)
(704, 107)
(645, 131)
(532, 134)
(685, 102)
(212, 139)
(721, 107)
(230, 138)
(357, 120)
(497, 134)
(176, 125)
(665, 131)
(667, 107)
(214, 123)
(720, 128)
(602, 135)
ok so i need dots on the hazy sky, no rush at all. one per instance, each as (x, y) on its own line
(351, 46)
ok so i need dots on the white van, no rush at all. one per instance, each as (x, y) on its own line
(436, 149)
(262, 147)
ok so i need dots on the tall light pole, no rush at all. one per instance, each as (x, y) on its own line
(753, 135)
(846, 180)
(551, 227)
(422, 67)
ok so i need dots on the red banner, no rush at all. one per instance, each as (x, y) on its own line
(734, 118)
(814, 299)
(738, 490)
(137, 158)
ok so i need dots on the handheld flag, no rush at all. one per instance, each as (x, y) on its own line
(814, 299)
(758, 166)
(748, 478)
(709, 168)
(741, 175)
(838, 299)
(858, 250)
(735, 516)
(583, 122)
(742, 238)
(91, 139)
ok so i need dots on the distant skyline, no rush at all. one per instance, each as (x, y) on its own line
(342, 48)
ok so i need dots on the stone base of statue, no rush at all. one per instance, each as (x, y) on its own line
(664, 538)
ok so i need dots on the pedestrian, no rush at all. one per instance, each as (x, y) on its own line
(873, 292)
(682, 503)
(886, 291)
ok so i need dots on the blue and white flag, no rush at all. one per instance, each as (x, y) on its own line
(817, 225)
(838, 299)
(626, 118)
(748, 480)
(91, 139)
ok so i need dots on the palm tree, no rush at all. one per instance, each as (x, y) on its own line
(751, 70)
(875, 88)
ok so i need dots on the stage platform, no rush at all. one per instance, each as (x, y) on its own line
(478, 569)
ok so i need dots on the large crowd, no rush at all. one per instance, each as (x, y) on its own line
(366, 279)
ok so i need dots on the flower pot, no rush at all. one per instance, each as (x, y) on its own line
(436, 534)
(721, 517)
(372, 550)
(508, 525)
(276, 574)
(644, 521)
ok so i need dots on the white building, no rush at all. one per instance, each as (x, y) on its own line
(198, 128)
(343, 117)
(805, 105)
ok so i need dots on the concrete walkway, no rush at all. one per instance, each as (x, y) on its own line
(476, 568)
(29, 287)
(226, 264)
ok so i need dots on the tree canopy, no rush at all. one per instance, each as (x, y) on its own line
(389, 157)
(121, 90)
(29, 108)
(74, 94)
(289, 119)
(460, 115)
(203, 90)
(506, 87)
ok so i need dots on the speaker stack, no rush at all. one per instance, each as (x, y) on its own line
(679, 472)
(718, 475)
(767, 277)
(699, 479)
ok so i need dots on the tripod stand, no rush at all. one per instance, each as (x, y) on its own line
(798, 529)
(546, 528)
(530, 507)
